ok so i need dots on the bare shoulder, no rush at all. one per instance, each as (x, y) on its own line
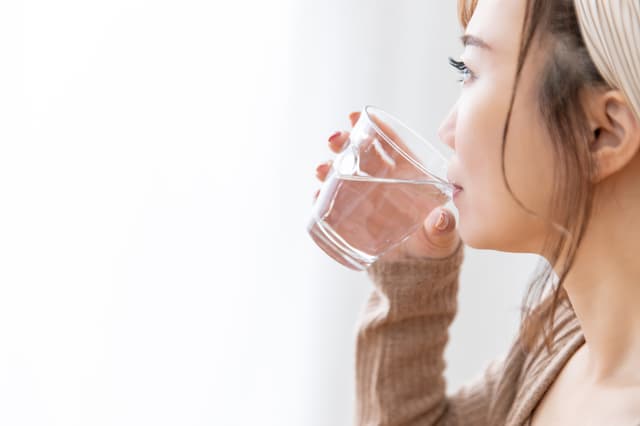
(570, 401)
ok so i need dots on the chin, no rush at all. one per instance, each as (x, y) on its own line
(474, 235)
(483, 236)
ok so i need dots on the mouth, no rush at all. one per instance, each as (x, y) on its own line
(455, 185)
(457, 189)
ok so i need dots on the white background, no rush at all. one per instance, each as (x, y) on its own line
(157, 164)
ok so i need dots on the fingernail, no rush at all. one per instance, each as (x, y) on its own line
(324, 167)
(322, 171)
(354, 116)
(333, 136)
(443, 221)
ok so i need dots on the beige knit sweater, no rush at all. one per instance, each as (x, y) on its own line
(401, 337)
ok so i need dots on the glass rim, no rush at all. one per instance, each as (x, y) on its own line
(401, 151)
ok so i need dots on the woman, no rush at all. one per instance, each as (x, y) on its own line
(546, 133)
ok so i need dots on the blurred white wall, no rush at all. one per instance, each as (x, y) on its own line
(157, 164)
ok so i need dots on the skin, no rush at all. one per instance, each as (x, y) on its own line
(602, 380)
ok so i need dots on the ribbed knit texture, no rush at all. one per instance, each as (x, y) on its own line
(400, 343)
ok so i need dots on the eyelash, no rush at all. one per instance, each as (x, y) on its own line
(462, 68)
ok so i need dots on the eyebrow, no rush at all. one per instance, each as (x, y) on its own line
(471, 40)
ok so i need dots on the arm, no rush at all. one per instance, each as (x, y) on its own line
(400, 345)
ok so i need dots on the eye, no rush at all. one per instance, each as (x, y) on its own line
(462, 69)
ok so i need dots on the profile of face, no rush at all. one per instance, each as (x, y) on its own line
(489, 216)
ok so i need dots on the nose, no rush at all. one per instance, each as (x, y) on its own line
(447, 129)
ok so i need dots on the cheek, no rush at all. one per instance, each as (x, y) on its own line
(478, 136)
(478, 147)
(529, 160)
(484, 206)
(490, 218)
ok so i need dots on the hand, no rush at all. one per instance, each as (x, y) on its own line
(428, 241)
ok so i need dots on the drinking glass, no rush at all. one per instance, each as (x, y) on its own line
(379, 190)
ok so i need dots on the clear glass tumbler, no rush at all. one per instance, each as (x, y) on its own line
(379, 190)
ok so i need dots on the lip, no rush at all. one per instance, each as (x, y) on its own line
(452, 180)
(457, 188)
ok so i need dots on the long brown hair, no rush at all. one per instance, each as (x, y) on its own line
(568, 71)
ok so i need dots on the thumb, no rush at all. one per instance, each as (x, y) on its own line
(440, 232)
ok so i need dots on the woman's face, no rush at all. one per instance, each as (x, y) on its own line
(490, 218)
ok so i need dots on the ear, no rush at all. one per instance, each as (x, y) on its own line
(615, 133)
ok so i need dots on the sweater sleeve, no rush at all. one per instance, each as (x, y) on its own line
(400, 343)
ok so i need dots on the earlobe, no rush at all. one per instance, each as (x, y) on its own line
(616, 138)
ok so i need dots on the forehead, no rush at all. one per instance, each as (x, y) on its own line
(498, 23)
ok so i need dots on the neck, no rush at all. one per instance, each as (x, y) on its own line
(604, 286)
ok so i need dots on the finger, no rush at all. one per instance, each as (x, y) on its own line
(315, 196)
(353, 117)
(338, 140)
(380, 159)
(440, 232)
(440, 221)
(384, 157)
(391, 134)
(400, 161)
(322, 170)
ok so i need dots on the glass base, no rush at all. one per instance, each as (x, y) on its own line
(332, 244)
